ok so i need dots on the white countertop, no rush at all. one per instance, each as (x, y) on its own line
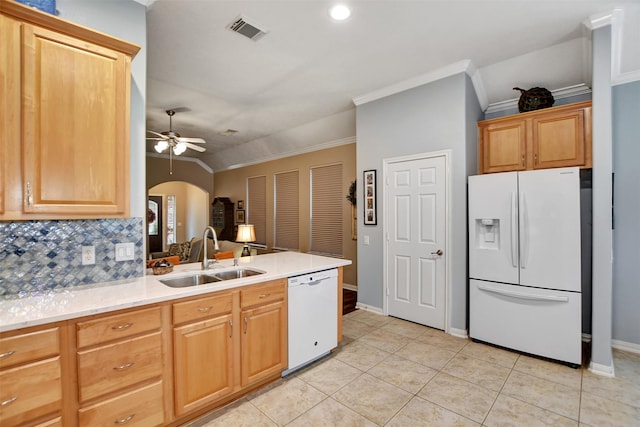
(78, 301)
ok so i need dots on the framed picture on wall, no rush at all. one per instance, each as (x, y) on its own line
(240, 216)
(240, 204)
(370, 213)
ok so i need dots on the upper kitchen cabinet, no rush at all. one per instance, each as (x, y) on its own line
(65, 118)
(549, 138)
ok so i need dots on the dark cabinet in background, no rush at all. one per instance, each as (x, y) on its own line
(222, 218)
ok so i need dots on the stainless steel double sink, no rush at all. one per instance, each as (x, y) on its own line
(204, 278)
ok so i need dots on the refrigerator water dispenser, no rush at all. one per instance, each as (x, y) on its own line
(488, 233)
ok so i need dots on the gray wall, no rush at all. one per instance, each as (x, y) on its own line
(436, 116)
(626, 234)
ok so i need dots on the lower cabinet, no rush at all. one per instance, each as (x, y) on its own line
(203, 362)
(264, 342)
(30, 377)
(156, 365)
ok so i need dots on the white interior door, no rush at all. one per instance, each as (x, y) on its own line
(416, 223)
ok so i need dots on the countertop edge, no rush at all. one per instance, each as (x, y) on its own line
(81, 301)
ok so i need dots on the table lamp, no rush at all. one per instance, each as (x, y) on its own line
(246, 233)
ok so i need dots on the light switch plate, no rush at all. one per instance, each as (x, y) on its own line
(124, 251)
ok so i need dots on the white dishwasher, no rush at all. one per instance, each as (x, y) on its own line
(313, 317)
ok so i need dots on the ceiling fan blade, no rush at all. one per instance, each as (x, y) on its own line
(195, 147)
(159, 134)
(195, 140)
(156, 139)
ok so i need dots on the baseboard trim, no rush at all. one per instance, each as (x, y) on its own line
(376, 310)
(350, 287)
(602, 370)
(460, 333)
(626, 346)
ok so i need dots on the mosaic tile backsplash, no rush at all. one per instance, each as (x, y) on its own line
(38, 256)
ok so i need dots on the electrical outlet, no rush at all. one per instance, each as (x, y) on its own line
(88, 255)
(124, 251)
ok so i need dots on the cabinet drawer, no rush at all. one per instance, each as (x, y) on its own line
(30, 391)
(111, 367)
(119, 326)
(262, 294)
(202, 307)
(27, 347)
(139, 407)
(56, 422)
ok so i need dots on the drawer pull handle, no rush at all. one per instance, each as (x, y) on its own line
(124, 420)
(230, 328)
(122, 327)
(123, 367)
(246, 324)
(9, 401)
(7, 354)
(264, 295)
(204, 309)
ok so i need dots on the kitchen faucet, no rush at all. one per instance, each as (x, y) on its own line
(206, 260)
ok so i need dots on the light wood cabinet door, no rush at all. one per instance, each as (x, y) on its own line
(559, 139)
(75, 125)
(203, 362)
(264, 342)
(503, 146)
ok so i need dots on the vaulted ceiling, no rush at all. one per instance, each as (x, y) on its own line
(292, 89)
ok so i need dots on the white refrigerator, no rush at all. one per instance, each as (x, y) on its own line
(525, 263)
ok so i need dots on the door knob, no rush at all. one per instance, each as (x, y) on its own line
(438, 252)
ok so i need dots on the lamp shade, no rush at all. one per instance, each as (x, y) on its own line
(246, 233)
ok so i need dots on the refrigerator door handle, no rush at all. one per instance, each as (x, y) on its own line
(519, 295)
(524, 232)
(514, 230)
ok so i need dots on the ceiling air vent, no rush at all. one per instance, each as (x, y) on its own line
(241, 26)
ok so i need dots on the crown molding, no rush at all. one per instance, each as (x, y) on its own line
(183, 159)
(305, 150)
(599, 20)
(565, 92)
(449, 70)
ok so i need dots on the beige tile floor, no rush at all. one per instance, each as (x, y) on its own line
(388, 372)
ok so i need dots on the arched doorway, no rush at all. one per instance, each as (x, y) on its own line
(183, 212)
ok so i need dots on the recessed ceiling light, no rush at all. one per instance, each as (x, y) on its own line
(340, 12)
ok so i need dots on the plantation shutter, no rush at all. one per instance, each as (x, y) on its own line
(326, 209)
(286, 210)
(257, 207)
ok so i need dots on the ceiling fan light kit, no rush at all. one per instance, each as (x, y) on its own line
(174, 142)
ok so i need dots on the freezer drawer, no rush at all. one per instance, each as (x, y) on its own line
(537, 321)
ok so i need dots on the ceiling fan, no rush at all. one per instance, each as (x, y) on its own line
(174, 142)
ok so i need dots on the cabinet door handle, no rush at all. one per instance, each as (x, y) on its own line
(230, 328)
(7, 354)
(535, 159)
(204, 309)
(9, 401)
(264, 296)
(246, 324)
(122, 327)
(28, 196)
(123, 367)
(523, 160)
(124, 420)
